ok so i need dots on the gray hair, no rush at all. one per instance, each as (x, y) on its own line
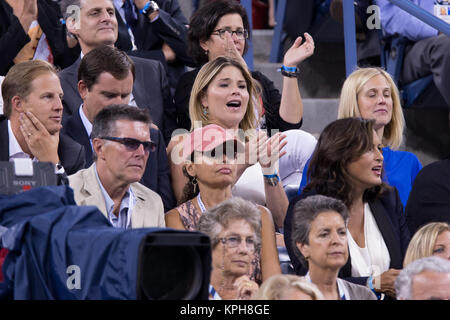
(105, 121)
(305, 212)
(219, 217)
(403, 282)
(67, 8)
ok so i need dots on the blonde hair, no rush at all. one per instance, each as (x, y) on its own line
(206, 75)
(423, 241)
(348, 103)
(274, 287)
(18, 81)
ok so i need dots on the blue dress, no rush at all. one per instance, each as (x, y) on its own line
(400, 167)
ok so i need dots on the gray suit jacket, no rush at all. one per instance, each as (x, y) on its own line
(358, 292)
(147, 212)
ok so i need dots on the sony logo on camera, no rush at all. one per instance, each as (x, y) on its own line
(24, 183)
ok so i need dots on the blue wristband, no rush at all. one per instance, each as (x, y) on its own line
(288, 69)
(291, 72)
(145, 8)
(370, 284)
(268, 176)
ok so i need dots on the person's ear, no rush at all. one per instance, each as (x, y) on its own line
(17, 104)
(304, 249)
(82, 89)
(203, 99)
(205, 45)
(98, 146)
(191, 169)
(73, 23)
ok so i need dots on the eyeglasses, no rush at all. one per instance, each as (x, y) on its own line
(235, 241)
(241, 34)
(133, 144)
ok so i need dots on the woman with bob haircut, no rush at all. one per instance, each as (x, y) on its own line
(348, 165)
(234, 227)
(319, 239)
(433, 239)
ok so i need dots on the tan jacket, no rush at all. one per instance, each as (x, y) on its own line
(148, 210)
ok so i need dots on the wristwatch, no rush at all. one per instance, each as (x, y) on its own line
(149, 8)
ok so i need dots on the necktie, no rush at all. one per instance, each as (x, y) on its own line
(27, 52)
(129, 15)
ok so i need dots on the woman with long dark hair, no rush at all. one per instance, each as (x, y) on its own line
(348, 165)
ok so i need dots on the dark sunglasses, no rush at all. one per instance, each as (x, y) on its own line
(133, 144)
(231, 150)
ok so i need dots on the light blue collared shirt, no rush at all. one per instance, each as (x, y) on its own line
(123, 219)
(395, 20)
(86, 124)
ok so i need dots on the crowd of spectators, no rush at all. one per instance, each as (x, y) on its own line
(157, 121)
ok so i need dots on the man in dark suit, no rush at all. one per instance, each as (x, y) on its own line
(160, 33)
(429, 200)
(105, 77)
(95, 24)
(31, 129)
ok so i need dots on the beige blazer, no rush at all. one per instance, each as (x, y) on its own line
(148, 210)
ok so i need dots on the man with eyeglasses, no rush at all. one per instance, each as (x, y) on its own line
(105, 77)
(121, 141)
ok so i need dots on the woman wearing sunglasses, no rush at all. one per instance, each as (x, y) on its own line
(234, 227)
(210, 167)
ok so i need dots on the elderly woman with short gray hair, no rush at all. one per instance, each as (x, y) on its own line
(319, 235)
(234, 227)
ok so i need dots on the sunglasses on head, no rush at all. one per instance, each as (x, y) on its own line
(133, 144)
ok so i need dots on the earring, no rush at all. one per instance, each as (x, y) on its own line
(205, 111)
(194, 183)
